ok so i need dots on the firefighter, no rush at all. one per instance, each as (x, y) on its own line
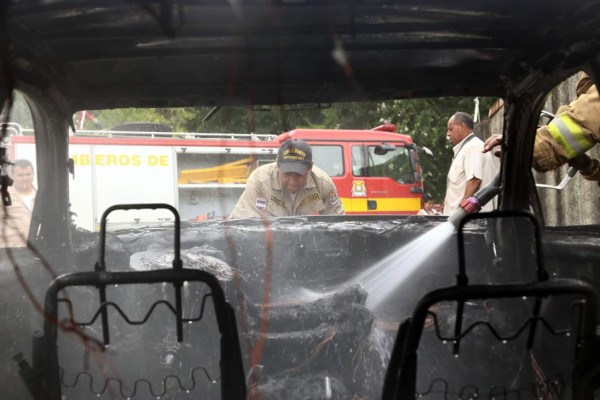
(574, 130)
(291, 186)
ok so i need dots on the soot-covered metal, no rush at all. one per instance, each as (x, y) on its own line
(104, 54)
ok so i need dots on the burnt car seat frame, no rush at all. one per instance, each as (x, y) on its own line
(44, 380)
(401, 375)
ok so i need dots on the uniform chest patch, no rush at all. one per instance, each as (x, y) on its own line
(261, 203)
(277, 201)
(310, 199)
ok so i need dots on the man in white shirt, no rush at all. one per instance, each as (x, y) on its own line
(16, 218)
(471, 169)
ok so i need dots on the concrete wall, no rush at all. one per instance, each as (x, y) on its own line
(578, 203)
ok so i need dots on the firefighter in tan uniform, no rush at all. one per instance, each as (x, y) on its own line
(574, 130)
(291, 186)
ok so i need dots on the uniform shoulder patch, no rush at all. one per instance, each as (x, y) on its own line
(261, 203)
(333, 198)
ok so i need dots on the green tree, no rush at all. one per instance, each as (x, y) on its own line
(176, 118)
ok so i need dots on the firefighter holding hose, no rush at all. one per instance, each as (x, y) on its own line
(574, 130)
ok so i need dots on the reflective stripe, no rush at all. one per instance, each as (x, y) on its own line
(569, 135)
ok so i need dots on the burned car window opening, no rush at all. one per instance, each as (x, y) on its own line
(375, 200)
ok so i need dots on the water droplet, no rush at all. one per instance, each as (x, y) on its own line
(190, 322)
(214, 381)
(504, 341)
(456, 356)
(568, 334)
(187, 391)
(454, 342)
(116, 285)
(524, 297)
(444, 341)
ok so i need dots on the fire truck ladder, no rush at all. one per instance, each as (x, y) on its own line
(44, 379)
(233, 172)
(402, 373)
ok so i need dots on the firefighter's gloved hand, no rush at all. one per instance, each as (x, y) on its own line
(592, 173)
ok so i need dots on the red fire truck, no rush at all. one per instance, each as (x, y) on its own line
(376, 171)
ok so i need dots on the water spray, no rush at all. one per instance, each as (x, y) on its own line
(473, 204)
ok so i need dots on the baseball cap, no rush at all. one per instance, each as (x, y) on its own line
(294, 155)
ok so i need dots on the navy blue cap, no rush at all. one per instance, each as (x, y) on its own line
(294, 155)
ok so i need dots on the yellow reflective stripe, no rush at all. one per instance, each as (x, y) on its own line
(569, 135)
(394, 204)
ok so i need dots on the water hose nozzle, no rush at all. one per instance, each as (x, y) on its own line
(473, 204)
(470, 205)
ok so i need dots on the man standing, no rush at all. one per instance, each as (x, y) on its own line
(471, 169)
(291, 186)
(16, 218)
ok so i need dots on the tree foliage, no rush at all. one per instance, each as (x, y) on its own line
(425, 120)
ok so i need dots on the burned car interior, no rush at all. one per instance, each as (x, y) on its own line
(497, 305)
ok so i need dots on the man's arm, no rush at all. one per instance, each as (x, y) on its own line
(247, 204)
(573, 131)
(473, 164)
(331, 201)
(472, 188)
